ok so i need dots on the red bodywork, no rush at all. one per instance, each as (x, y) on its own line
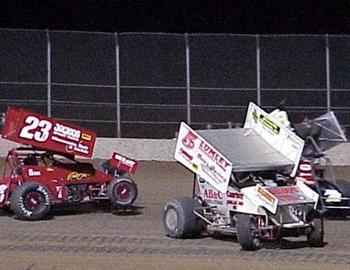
(47, 133)
(51, 159)
(124, 163)
(60, 174)
(306, 173)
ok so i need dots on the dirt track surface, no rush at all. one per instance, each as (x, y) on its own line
(94, 238)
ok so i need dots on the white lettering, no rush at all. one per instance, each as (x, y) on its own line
(2, 192)
(66, 132)
(31, 172)
(59, 192)
(124, 160)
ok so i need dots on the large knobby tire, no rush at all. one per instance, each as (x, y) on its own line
(122, 191)
(179, 220)
(246, 232)
(316, 234)
(30, 201)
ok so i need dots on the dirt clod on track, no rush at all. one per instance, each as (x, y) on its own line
(91, 237)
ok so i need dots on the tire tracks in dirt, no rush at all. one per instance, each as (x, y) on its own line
(124, 245)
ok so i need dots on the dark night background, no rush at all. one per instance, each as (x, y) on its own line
(217, 62)
(245, 17)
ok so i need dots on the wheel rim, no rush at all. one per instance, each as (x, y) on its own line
(171, 219)
(124, 192)
(256, 241)
(33, 201)
(254, 232)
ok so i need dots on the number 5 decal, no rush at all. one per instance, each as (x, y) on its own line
(28, 131)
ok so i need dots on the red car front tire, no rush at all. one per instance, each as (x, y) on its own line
(30, 201)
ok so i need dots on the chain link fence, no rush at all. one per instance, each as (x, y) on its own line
(141, 85)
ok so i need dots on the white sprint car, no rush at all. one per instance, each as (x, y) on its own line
(244, 184)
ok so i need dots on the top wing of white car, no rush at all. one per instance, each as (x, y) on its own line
(263, 144)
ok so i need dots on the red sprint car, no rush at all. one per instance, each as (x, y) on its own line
(45, 172)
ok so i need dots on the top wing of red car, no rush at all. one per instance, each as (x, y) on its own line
(47, 133)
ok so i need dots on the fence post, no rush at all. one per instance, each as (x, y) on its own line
(328, 74)
(258, 86)
(117, 70)
(48, 73)
(188, 80)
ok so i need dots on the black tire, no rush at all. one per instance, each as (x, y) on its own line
(179, 220)
(344, 188)
(30, 201)
(246, 235)
(316, 235)
(3, 212)
(122, 191)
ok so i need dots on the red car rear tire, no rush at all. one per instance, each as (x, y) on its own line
(122, 191)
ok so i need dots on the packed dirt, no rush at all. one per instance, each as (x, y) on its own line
(91, 237)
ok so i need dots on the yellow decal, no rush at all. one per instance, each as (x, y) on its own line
(266, 195)
(86, 137)
(74, 176)
(266, 122)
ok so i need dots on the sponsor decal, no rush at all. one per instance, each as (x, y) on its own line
(284, 190)
(32, 172)
(235, 202)
(75, 176)
(124, 160)
(83, 149)
(86, 137)
(287, 194)
(66, 132)
(211, 171)
(185, 154)
(266, 122)
(267, 196)
(235, 195)
(234, 198)
(3, 189)
(214, 155)
(213, 194)
(124, 163)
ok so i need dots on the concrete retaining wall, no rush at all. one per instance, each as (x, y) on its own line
(163, 150)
